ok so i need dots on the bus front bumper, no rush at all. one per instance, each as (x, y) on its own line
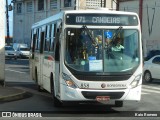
(72, 94)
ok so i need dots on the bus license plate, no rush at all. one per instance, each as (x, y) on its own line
(103, 98)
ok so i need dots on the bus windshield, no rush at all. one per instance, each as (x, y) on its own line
(116, 50)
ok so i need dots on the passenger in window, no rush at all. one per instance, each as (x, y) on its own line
(99, 39)
(107, 47)
(117, 46)
(107, 42)
(98, 49)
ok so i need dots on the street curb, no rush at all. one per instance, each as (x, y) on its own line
(13, 97)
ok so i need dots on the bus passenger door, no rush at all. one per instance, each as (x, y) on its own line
(57, 83)
(57, 65)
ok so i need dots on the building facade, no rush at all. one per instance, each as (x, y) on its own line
(148, 11)
(2, 42)
(27, 12)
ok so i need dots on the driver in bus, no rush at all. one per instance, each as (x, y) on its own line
(117, 46)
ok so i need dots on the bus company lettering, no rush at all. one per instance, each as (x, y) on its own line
(116, 85)
(114, 20)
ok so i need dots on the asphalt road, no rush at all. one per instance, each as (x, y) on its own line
(17, 75)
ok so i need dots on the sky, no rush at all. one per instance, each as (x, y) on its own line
(10, 13)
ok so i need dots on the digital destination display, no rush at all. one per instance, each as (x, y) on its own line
(101, 19)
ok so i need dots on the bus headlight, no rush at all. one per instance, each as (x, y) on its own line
(135, 82)
(68, 81)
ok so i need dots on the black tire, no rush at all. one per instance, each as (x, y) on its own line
(56, 102)
(2, 83)
(119, 103)
(147, 76)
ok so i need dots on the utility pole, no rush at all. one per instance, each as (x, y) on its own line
(141, 11)
(7, 22)
(104, 3)
(117, 6)
(101, 4)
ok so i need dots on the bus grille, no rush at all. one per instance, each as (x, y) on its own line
(102, 78)
(93, 95)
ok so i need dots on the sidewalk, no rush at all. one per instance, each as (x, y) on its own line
(10, 94)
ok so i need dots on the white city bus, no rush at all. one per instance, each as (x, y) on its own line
(73, 56)
(2, 41)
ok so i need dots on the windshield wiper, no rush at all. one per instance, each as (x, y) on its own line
(109, 45)
(94, 42)
(115, 35)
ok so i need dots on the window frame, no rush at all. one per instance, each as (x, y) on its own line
(40, 5)
(155, 60)
(29, 6)
(19, 7)
(67, 3)
(54, 4)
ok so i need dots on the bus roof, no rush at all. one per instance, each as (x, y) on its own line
(100, 11)
(61, 14)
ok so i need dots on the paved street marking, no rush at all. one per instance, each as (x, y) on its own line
(152, 91)
(14, 71)
(144, 93)
(149, 89)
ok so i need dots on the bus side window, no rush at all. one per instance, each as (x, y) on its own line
(36, 41)
(33, 41)
(39, 39)
(42, 41)
(52, 37)
(54, 30)
(46, 44)
(45, 39)
(57, 41)
(57, 48)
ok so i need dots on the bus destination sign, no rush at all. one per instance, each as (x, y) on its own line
(101, 19)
